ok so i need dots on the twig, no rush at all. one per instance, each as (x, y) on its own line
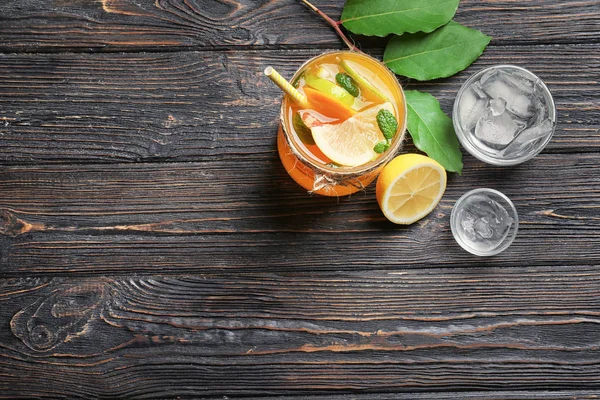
(335, 25)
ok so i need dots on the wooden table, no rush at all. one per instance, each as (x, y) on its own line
(151, 244)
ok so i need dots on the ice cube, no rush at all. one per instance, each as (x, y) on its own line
(541, 130)
(467, 101)
(496, 131)
(478, 90)
(482, 228)
(539, 103)
(528, 136)
(471, 108)
(467, 221)
(518, 100)
(541, 112)
(501, 220)
(481, 206)
(486, 221)
(497, 106)
(519, 79)
(489, 74)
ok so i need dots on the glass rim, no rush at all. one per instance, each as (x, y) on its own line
(472, 148)
(508, 240)
(359, 169)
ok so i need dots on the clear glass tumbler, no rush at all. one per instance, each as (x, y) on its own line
(484, 222)
(504, 115)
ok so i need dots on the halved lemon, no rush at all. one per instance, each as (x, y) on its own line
(410, 187)
(351, 142)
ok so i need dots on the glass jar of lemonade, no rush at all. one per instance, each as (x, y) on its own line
(352, 124)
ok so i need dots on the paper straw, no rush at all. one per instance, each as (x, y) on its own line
(286, 86)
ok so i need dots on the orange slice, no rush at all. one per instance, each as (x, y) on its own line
(327, 105)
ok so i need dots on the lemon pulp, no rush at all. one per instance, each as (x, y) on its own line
(410, 187)
(350, 143)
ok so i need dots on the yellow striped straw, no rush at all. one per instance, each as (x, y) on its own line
(286, 86)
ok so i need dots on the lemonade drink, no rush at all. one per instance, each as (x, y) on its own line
(352, 125)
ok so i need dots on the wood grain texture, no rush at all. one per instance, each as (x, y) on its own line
(481, 395)
(151, 245)
(116, 25)
(265, 334)
(250, 216)
(203, 106)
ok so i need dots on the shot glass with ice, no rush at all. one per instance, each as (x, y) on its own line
(484, 222)
(504, 115)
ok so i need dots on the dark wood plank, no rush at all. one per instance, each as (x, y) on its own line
(115, 25)
(248, 216)
(487, 395)
(204, 106)
(267, 334)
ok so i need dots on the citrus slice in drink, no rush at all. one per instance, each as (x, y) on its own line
(328, 105)
(350, 143)
(363, 77)
(410, 187)
(329, 88)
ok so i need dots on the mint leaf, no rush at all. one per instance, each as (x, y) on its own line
(432, 130)
(381, 147)
(387, 123)
(303, 131)
(382, 17)
(346, 81)
(443, 53)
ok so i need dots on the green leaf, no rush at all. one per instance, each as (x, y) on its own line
(443, 53)
(432, 130)
(387, 123)
(382, 17)
(302, 130)
(346, 81)
(381, 147)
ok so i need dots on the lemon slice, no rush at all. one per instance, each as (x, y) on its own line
(351, 142)
(410, 187)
